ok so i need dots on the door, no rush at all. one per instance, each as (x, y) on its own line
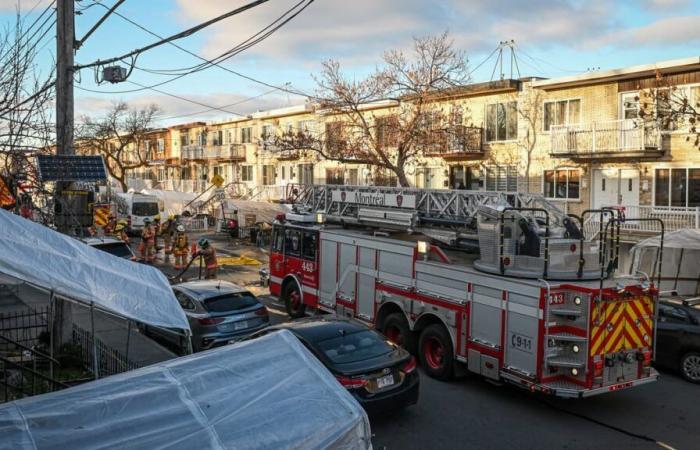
(613, 187)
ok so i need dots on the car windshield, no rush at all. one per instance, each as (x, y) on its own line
(230, 302)
(119, 249)
(354, 347)
(145, 209)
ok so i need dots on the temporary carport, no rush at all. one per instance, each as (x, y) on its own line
(68, 268)
(680, 265)
(266, 393)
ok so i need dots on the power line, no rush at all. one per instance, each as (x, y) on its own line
(21, 41)
(223, 106)
(179, 35)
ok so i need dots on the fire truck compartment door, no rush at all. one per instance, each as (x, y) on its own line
(328, 271)
(347, 272)
(366, 283)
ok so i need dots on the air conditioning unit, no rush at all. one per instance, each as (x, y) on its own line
(114, 74)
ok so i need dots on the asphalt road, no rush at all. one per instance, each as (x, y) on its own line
(473, 413)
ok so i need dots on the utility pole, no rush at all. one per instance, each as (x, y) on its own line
(65, 42)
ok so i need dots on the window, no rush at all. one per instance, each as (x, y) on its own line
(354, 347)
(466, 177)
(247, 135)
(562, 112)
(161, 174)
(232, 135)
(218, 137)
(277, 239)
(246, 173)
(671, 314)
(268, 172)
(335, 176)
(306, 173)
(666, 101)
(230, 302)
(308, 127)
(185, 302)
(562, 183)
(309, 245)
(284, 172)
(677, 187)
(502, 178)
(292, 242)
(266, 134)
(161, 145)
(502, 121)
(630, 105)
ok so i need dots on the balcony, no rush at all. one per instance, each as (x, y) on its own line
(674, 218)
(609, 139)
(196, 186)
(455, 143)
(232, 152)
(192, 152)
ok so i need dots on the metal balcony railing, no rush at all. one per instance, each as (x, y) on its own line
(225, 151)
(193, 151)
(609, 138)
(675, 218)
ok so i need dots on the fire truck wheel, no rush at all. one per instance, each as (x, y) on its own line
(435, 352)
(292, 301)
(396, 329)
(690, 367)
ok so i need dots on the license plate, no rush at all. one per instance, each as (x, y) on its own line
(385, 381)
(240, 325)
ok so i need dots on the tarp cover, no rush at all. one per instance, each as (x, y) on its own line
(267, 393)
(680, 268)
(51, 260)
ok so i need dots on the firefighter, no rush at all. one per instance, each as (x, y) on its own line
(156, 233)
(180, 247)
(111, 225)
(208, 252)
(167, 230)
(120, 231)
(147, 246)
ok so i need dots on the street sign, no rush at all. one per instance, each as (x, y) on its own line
(217, 180)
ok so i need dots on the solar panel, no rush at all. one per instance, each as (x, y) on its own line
(71, 168)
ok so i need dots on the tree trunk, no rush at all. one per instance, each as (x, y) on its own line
(401, 175)
(122, 184)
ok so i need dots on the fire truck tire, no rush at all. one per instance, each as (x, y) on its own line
(435, 352)
(292, 301)
(396, 329)
(690, 367)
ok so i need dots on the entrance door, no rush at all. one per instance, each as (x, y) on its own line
(615, 187)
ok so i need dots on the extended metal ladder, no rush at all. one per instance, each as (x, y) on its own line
(409, 207)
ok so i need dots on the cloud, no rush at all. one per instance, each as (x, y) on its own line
(663, 32)
(26, 5)
(665, 4)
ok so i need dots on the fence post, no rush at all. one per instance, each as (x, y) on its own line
(51, 337)
(95, 364)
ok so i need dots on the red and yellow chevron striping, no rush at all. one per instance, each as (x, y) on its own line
(100, 215)
(622, 324)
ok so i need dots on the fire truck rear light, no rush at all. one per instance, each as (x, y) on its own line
(598, 368)
(572, 247)
(280, 217)
(351, 383)
(410, 365)
(574, 371)
(506, 261)
(577, 300)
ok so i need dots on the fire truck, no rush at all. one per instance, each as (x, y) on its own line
(504, 285)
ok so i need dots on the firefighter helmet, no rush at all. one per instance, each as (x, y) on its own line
(171, 216)
(157, 218)
(181, 228)
(203, 243)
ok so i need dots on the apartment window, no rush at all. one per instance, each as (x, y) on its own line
(232, 135)
(184, 137)
(161, 174)
(466, 177)
(562, 183)
(335, 176)
(502, 121)
(161, 145)
(268, 175)
(562, 112)
(306, 173)
(247, 135)
(266, 133)
(284, 172)
(307, 127)
(246, 173)
(677, 187)
(202, 138)
(630, 105)
(502, 178)
(218, 137)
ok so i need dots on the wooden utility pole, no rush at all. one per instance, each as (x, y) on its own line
(65, 42)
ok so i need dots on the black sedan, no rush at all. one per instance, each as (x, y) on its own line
(380, 375)
(678, 337)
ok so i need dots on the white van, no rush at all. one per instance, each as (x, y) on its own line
(135, 208)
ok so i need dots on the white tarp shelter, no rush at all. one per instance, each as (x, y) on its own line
(267, 393)
(69, 268)
(680, 267)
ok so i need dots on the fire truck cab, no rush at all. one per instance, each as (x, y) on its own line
(568, 338)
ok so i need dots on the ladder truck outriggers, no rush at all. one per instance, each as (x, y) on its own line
(541, 306)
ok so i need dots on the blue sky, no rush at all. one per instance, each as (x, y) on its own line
(554, 38)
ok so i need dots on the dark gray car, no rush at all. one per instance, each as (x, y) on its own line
(218, 311)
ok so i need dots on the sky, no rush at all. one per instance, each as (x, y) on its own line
(552, 37)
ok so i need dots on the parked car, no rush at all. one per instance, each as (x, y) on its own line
(111, 245)
(379, 374)
(218, 312)
(678, 337)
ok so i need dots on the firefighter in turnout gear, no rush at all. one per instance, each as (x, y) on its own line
(180, 247)
(120, 231)
(156, 233)
(147, 246)
(208, 252)
(111, 225)
(167, 230)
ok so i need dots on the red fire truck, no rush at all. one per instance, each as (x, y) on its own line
(541, 307)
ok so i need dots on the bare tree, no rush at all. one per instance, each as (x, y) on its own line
(529, 107)
(412, 84)
(119, 137)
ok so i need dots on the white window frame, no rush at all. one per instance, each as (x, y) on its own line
(566, 121)
(486, 118)
(567, 198)
(670, 178)
(247, 173)
(250, 137)
(160, 142)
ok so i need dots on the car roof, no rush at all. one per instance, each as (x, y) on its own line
(315, 329)
(203, 289)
